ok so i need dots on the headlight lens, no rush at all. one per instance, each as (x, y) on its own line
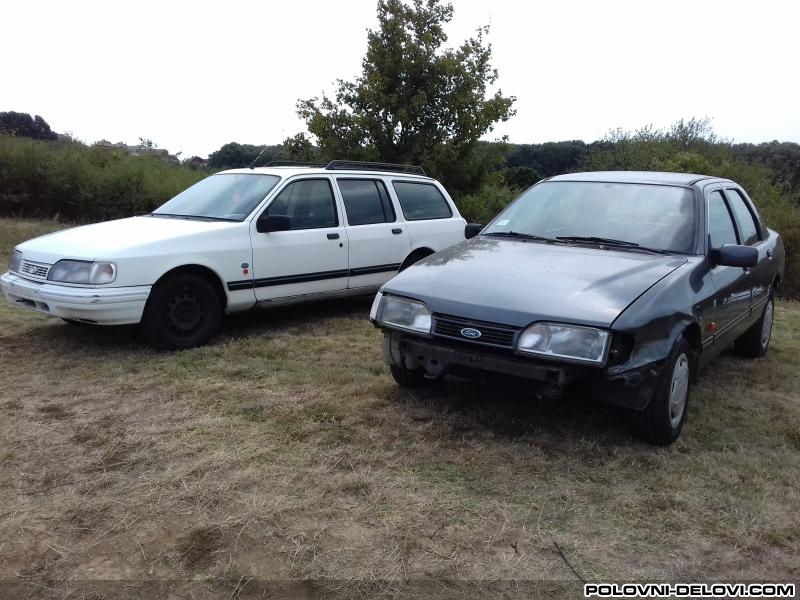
(565, 341)
(82, 271)
(404, 314)
(15, 262)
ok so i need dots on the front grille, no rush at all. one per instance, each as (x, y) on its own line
(492, 334)
(37, 270)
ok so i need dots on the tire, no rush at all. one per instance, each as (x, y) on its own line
(754, 343)
(410, 378)
(183, 311)
(662, 420)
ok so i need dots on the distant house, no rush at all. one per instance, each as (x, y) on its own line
(135, 150)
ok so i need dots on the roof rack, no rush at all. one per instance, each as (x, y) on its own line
(292, 163)
(339, 165)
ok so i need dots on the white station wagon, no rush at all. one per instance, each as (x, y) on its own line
(238, 239)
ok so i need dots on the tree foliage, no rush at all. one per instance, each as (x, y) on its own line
(782, 157)
(23, 125)
(67, 179)
(416, 100)
(235, 156)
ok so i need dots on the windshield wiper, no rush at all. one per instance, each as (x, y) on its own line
(207, 218)
(526, 236)
(608, 242)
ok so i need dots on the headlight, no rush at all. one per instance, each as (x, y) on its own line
(373, 311)
(404, 314)
(15, 262)
(572, 342)
(82, 271)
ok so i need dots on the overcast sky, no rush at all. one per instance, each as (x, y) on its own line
(192, 76)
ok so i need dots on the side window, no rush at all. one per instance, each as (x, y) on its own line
(720, 226)
(366, 201)
(421, 201)
(308, 203)
(747, 225)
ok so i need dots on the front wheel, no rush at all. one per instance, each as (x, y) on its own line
(183, 311)
(662, 421)
(411, 378)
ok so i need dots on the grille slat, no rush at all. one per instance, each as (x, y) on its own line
(492, 334)
(35, 270)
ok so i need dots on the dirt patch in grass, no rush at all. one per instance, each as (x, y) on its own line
(284, 451)
(198, 548)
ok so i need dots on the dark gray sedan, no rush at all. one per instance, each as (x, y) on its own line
(629, 281)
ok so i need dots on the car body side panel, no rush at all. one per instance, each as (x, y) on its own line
(662, 313)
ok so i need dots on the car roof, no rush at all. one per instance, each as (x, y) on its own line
(651, 177)
(292, 171)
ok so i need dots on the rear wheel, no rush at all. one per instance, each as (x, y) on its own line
(754, 343)
(183, 311)
(662, 421)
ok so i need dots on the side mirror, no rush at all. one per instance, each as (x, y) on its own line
(472, 229)
(267, 223)
(732, 255)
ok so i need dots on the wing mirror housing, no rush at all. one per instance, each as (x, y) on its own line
(733, 255)
(472, 229)
(268, 223)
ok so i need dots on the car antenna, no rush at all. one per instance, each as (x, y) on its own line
(253, 164)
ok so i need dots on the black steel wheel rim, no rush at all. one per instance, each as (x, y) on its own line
(185, 314)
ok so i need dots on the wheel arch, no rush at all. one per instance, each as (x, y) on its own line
(415, 255)
(201, 271)
(692, 334)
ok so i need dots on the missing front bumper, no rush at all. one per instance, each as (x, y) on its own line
(631, 390)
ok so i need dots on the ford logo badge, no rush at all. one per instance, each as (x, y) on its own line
(469, 332)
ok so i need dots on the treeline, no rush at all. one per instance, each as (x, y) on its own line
(66, 179)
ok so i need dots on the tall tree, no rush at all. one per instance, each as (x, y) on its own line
(416, 100)
(234, 155)
(23, 125)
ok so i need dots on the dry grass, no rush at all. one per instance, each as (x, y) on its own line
(284, 452)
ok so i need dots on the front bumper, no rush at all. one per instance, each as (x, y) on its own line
(104, 306)
(629, 388)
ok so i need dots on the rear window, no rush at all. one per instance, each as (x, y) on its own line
(366, 201)
(747, 225)
(421, 201)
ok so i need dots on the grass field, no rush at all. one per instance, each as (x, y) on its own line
(283, 451)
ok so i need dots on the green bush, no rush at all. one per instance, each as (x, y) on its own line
(73, 182)
(484, 205)
(691, 147)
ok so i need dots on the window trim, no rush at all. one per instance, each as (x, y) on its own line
(730, 216)
(430, 184)
(728, 192)
(290, 182)
(383, 196)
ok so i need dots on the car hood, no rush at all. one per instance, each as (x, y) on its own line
(517, 282)
(114, 239)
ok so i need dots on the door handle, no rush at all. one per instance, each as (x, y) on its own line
(397, 231)
(333, 236)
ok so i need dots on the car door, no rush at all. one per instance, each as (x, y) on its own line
(732, 284)
(378, 243)
(751, 234)
(311, 256)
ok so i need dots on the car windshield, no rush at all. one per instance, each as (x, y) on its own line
(227, 196)
(652, 216)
